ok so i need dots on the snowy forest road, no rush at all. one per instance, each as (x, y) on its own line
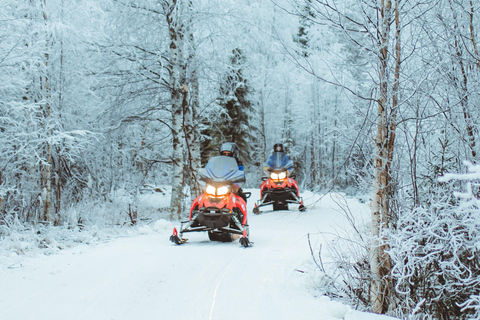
(147, 277)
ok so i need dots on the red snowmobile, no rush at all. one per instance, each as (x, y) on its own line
(218, 210)
(278, 189)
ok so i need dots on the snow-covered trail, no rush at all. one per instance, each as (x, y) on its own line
(147, 277)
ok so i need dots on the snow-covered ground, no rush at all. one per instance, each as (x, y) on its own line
(144, 276)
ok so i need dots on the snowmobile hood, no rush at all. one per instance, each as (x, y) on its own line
(279, 161)
(221, 169)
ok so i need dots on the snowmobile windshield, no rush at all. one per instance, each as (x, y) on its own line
(279, 161)
(222, 169)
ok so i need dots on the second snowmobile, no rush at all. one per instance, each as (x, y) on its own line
(218, 211)
(278, 189)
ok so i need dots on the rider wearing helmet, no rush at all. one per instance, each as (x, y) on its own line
(278, 148)
(230, 149)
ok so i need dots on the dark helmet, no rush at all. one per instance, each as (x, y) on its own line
(278, 147)
(229, 149)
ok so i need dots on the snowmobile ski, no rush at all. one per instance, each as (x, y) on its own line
(176, 239)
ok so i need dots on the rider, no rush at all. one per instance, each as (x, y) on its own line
(278, 150)
(230, 149)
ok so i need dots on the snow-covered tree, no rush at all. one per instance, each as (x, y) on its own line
(236, 112)
(41, 140)
(306, 16)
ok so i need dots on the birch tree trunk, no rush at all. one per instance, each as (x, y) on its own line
(47, 165)
(192, 134)
(59, 148)
(380, 263)
(178, 88)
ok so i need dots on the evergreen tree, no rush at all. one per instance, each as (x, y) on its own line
(305, 20)
(235, 123)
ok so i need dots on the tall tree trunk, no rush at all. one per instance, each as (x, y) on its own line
(58, 186)
(192, 134)
(287, 122)
(380, 261)
(472, 35)
(61, 89)
(463, 86)
(178, 89)
(263, 143)
(194, 150)
(47, 165)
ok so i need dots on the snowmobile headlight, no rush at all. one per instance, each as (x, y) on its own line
(217, 192)
(278, 176)
(222, 191)
(210, 190)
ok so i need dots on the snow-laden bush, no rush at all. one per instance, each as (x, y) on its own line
(87, 222)
(435, 255)
(20, 240)
(345, 261)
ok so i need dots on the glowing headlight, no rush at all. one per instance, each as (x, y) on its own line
(216, 192)
(222, 191)
(278, 176)
(210, 190)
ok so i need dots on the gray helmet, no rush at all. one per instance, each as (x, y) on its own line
(229, 149)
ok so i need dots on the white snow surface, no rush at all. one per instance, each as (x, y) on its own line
(142, 275)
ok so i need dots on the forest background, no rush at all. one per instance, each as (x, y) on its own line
(107, 97)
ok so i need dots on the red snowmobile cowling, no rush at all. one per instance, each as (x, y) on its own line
(229, 202)
(287, 182)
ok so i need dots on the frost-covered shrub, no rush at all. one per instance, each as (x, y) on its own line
(350, 275)
(345, 261)
(435, 255)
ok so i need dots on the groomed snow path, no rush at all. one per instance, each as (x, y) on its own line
(147, 277)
